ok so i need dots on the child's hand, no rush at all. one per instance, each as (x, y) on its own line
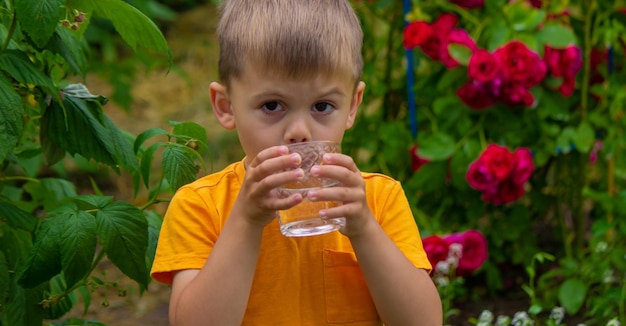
(350, 191)
(257, 201)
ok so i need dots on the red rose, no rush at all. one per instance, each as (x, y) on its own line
(483, 66)
(567, 86)
(499, 161)
(469, 4)
(456, 36)
(441, 27)
(520, 65)
(476, 95)
(508, 192)
(474, 250)
(563, 62)
(480, 178)
(417, 161)
(523, 168)
(515, 94)
(436, 249)
(416, 33)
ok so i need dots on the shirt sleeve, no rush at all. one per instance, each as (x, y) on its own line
(187, 235)
(394, 214)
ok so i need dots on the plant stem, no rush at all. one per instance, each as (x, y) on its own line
(587, 46)
(7, 40)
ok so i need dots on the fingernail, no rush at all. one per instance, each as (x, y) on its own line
(315, 170)
(295, 158)
(312, 194)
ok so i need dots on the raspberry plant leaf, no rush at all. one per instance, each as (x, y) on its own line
(5, 279)
(178, 165)
(123, 231)
(39, 18)
(16, 217)
(44, 260)
(67, 44)
(78, 245)
(18, 65)
(135, 28)
(11, 117)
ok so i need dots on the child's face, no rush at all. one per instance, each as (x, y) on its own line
(269, 110)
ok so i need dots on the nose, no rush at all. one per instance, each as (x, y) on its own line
(298, 130)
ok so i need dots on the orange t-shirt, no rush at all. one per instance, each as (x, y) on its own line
(312, 280)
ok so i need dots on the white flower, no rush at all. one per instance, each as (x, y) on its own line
(521, 318)
(613, 322)
(442, 280)
(601, 247)
(486, 316)
(455, 250)
(557, 314)
(503, 320)
(452, 261)
(608, 276)
(442, 267)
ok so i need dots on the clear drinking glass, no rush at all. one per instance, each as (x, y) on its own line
(303, 219)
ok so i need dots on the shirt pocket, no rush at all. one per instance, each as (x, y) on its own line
(347, 297)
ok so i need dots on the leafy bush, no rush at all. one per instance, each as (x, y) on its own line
(51, 236)
(538, 77)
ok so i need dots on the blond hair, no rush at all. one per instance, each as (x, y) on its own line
(293, 38)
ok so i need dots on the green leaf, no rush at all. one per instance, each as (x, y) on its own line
(584, 137)
(49, 192)
(572, 294)
(58, 309)
(11, 118)
(178, 165)
(436, 148)
(430, 177)
(79, 130)
(135, 28)
(147, 135)
(66, 44)
(19, 66)
(44, 260)
(39, 18)
(123, 230)
(146, 162)
(154, 228)
(5, 279)
(460, 53)
(88, 202)
(16, 217)
(78, 246)
(123, 149)
(557, 35)
(191, 130)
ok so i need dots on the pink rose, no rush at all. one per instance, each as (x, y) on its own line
(474, 250)
(456, 36)
(416, 33)
(523, 167)
(469, 4)
(483, 66)
(476, 95)
(436, 249)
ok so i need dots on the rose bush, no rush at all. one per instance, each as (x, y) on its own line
(512, 113)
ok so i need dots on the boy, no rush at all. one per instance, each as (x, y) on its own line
(290, 72)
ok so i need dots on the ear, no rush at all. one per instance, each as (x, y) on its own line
(221, 105)
(355, 103)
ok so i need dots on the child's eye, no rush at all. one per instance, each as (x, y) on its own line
(323, 107)
(271, 106)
